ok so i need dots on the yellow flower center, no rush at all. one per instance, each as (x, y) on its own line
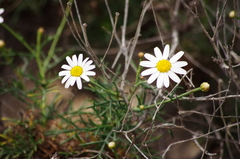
(76, 71)
(163, 66)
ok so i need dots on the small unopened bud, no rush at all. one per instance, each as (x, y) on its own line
(140, 54)
(232, 14)
(141, 77)
(111, 145)
(205, 86)
(141, 107)
(2, 43)
(40, 30)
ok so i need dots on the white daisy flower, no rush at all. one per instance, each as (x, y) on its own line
(161, 68)
(1, 18)
(77, 69)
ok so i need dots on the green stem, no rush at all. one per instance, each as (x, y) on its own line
(37, 56)
(43, 105)
(19, 37)
(172, 99)
(105, 143)
(136, 79)
(135, 88)
(55, 41)
(95, 83)
(138, 71)
(115, 154)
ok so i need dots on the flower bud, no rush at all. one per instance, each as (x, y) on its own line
(232, 14)
(141, 107)
(205, 86)
(2, 43)
(40, 30)
(111, 145)
(140, 54)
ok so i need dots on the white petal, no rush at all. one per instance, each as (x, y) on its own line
(88, 63)
(89, 68)
(179, 64)
(166, 52)
(158, 53)
(1, 10)
(85, 77)
(149, 71)
(153, 77)
(173, 76)
(66, 67)
(178, 70)
(1, 19)
(67, 84)
(65, 78)
(73, 80)
(147, 64)
(79, 83)
(176, 57)
(70, 62)
(151, 58)
(80, 58)
(166, 80)
(160, 81)
(84, 61)
(63, 73)
(90, 73)
(74, 59)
